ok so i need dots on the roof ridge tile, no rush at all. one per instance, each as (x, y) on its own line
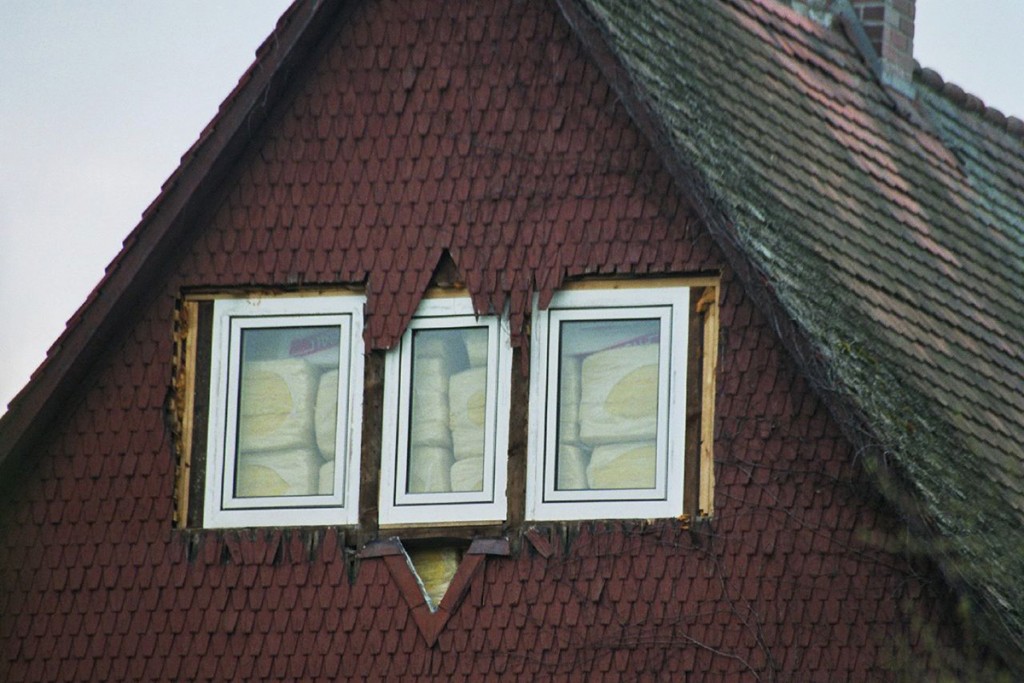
(972, 103)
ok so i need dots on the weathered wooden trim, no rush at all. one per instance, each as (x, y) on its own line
(383, 548)
(694, 407)
(518, 438)
(369, 457)
(450, 531)
(490, 546)
(186, 339)
(707, 306)
(195, 483)
(221, 293)
(636, 282)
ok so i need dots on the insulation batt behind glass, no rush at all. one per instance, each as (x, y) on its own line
(447, 411)
(287, 414)
(608, 396)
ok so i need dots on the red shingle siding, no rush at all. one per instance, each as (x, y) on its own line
(491, 135)
(485, 133)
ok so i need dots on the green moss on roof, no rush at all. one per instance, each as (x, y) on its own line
(894, 240)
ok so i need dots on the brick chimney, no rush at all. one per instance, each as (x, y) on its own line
(889, 25)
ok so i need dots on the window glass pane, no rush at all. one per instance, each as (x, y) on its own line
(287, 411)
(607, 404)
(447, 410)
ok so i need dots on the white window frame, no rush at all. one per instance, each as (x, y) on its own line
(396, 505)
(670, 304)
(231, 317)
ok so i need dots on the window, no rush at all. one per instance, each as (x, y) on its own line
(446, 406)
(268, 410)
(608, 404)
(285, 414)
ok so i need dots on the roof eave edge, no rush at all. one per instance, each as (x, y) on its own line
(162, 226)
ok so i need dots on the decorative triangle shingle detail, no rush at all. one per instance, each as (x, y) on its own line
(432, 621)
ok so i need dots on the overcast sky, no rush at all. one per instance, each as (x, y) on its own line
(100, 98)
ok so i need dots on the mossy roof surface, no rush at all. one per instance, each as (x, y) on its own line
(892, 235)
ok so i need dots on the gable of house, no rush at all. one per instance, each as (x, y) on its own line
(485, 138)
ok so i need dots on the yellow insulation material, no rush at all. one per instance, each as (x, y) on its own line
(619, 395)
(468, 474)
(572, 468)
(276, 405)
(435, 567)
(623, 466)
(326, 483)
(326, 414)
(429, 421)
(476, 347)
(279, 473)
(429, 469)
(467, 395)
(569, 394)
